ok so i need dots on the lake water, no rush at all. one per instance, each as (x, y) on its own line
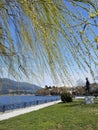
(20, 101)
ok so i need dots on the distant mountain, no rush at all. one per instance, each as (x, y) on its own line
(13, 87)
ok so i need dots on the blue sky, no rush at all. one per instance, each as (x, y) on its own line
(42, 75)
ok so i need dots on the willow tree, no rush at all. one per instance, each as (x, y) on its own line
(57, 37)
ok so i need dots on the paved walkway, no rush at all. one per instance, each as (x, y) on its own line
(17, 112)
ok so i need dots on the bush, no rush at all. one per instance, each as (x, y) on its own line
(66, 97)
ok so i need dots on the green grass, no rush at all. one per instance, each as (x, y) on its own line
(70, 116)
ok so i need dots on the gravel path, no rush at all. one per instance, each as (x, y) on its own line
(10, 114)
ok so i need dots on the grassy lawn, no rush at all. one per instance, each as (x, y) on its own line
(70, 116)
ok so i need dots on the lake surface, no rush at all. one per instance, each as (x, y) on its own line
(10, 102)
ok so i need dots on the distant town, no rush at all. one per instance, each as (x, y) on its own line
(11, 87)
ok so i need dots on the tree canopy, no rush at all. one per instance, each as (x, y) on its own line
(57, 37)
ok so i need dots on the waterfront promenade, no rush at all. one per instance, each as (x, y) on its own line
(17, 112)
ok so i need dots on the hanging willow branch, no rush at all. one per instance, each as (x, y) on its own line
(49, 32)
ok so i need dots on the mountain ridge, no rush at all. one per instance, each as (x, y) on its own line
(10, 86)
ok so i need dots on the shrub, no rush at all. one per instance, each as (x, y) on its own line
(66, 97)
